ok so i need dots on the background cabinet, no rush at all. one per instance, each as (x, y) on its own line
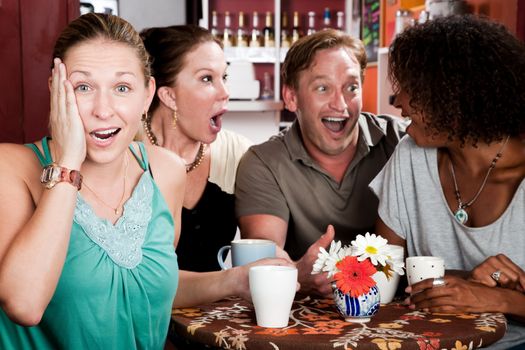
(261, 119)
(510, 13)
(29, 28)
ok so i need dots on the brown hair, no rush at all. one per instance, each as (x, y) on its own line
(168, 48)
(302, 53)
(92, 26)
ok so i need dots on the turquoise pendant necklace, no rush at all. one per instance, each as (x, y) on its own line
(461, 214)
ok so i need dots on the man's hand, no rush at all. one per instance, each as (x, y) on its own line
(315, 284)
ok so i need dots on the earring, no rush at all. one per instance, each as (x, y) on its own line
(175, 119)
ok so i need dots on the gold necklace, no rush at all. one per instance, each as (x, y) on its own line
(461, 214)
(118, 210)
(146, 122)
(198, 158)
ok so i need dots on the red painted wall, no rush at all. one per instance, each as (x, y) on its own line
(28, 30)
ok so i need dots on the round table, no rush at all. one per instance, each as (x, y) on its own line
(315, 324)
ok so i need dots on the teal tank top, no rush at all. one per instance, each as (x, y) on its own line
(118, 282)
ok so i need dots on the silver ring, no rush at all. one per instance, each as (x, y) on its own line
(438, 282)
(496, 275)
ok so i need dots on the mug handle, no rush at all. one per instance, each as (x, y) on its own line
(220, 256)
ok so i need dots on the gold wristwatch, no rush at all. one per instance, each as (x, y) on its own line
(53, 174)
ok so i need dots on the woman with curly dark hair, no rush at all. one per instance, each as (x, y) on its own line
(455, 187)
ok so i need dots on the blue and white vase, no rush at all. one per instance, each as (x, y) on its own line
(358, 309)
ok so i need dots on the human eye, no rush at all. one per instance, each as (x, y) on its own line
(321, 88)
(207, 79)
(352, 88)
(123, 88)
(82, 88)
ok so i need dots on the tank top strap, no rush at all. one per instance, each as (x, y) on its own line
(45, 158)
(142, 159)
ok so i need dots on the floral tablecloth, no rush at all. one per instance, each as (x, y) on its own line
(315, 324)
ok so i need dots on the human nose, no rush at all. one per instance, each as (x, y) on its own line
(394, 101)
(224, 93)
(102, 107)
(338, 102)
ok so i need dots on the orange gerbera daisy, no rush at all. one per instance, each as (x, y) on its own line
(355, 276)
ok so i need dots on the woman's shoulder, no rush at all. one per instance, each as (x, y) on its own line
(20, 169)
(164, 160)
(407, 146)
(230, 141)
(18, 157)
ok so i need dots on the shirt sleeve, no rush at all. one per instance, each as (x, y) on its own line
(256, 189)
(390, 190)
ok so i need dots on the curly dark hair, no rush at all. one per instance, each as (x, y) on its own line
(465, 74)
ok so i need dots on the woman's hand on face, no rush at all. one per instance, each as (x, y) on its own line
(67, 129)
(242, 275)
(456, 296)
(500, 271)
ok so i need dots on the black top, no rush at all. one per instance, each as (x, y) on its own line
(205, 229)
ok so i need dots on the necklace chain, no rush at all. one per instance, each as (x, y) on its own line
(146, 122)
(118, 210)
(460, 214)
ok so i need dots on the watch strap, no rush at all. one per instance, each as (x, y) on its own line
(53, 174)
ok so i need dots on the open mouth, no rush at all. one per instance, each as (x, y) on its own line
(334, 124)
(215, 121)
(103, 135)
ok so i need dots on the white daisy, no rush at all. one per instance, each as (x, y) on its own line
(326, 260)
(396, 265)
(371, 246)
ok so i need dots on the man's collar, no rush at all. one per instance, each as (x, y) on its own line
(371, 129)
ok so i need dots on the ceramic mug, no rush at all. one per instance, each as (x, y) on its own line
(272, 289)
(245, 251)
(420, 268)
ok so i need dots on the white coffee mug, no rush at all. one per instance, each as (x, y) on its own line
(420, 268)
(245, 251)
(272, 289)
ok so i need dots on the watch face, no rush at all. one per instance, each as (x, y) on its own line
(50, 175)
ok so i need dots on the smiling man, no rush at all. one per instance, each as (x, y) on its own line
(316, 173)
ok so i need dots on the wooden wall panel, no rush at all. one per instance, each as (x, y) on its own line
(42, 21)
(28, 30)
(10, 73)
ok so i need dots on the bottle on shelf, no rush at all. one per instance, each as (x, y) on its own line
(403, 20)
(311, 23)
(214, 26)
(227, 37)
(327, 20)
(255, 35)
(285, 34)
(242, 38)
(340, 21)
(267, 91)
(296, 29)
(268, 31)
